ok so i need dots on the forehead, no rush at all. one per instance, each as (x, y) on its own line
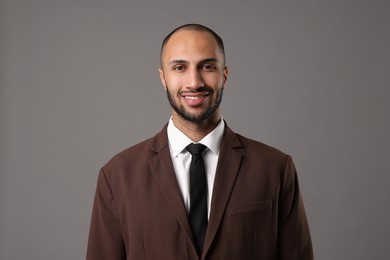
(190, 44)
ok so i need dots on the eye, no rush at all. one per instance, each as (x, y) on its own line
(209, 67)
(178, 68)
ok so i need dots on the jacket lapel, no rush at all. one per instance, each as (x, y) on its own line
(162, 169)
(227, 170)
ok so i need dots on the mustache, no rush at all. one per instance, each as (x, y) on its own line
(198, 90)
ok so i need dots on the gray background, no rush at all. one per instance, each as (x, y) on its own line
(79, 82)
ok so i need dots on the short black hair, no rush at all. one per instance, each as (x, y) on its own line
(195, 27)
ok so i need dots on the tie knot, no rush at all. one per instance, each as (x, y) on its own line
(196, 149)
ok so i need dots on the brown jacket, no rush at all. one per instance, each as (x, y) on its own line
(256, 211)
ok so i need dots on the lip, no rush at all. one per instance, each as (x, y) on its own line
(195, 98)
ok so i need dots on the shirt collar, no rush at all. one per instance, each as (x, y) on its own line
(179, 141)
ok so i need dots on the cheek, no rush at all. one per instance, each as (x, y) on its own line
(213, 79)
(173, 83)
(214, 82)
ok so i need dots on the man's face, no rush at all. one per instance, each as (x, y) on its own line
(193, 74)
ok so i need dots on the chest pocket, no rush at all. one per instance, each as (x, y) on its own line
(260, 207)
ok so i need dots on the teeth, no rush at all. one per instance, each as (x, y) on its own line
(193, 97)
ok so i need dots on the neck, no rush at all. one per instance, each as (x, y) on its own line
(196, 130)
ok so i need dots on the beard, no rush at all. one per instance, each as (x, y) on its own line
(181, 111)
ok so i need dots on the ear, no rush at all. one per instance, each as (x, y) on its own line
(225, 76)
(162, 78)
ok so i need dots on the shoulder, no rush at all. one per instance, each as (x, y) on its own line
(251, 146)
(137, 156)
(259, 147)
(132, 153)
(258, 152)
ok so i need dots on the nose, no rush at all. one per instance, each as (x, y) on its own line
(194, 79)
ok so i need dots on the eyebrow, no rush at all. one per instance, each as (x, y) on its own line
(178, 61)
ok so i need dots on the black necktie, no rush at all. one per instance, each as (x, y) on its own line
(198, 195)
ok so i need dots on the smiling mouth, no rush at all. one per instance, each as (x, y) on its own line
(195, 95)
(195, 98)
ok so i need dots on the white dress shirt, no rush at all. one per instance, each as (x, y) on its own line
(181, 159)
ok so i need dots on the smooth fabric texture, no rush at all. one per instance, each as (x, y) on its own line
(257, 211)
(198, 195)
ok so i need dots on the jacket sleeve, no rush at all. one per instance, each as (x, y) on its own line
(294, 241)
(105, 238)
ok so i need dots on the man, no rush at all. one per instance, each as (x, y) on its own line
(235, 198)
